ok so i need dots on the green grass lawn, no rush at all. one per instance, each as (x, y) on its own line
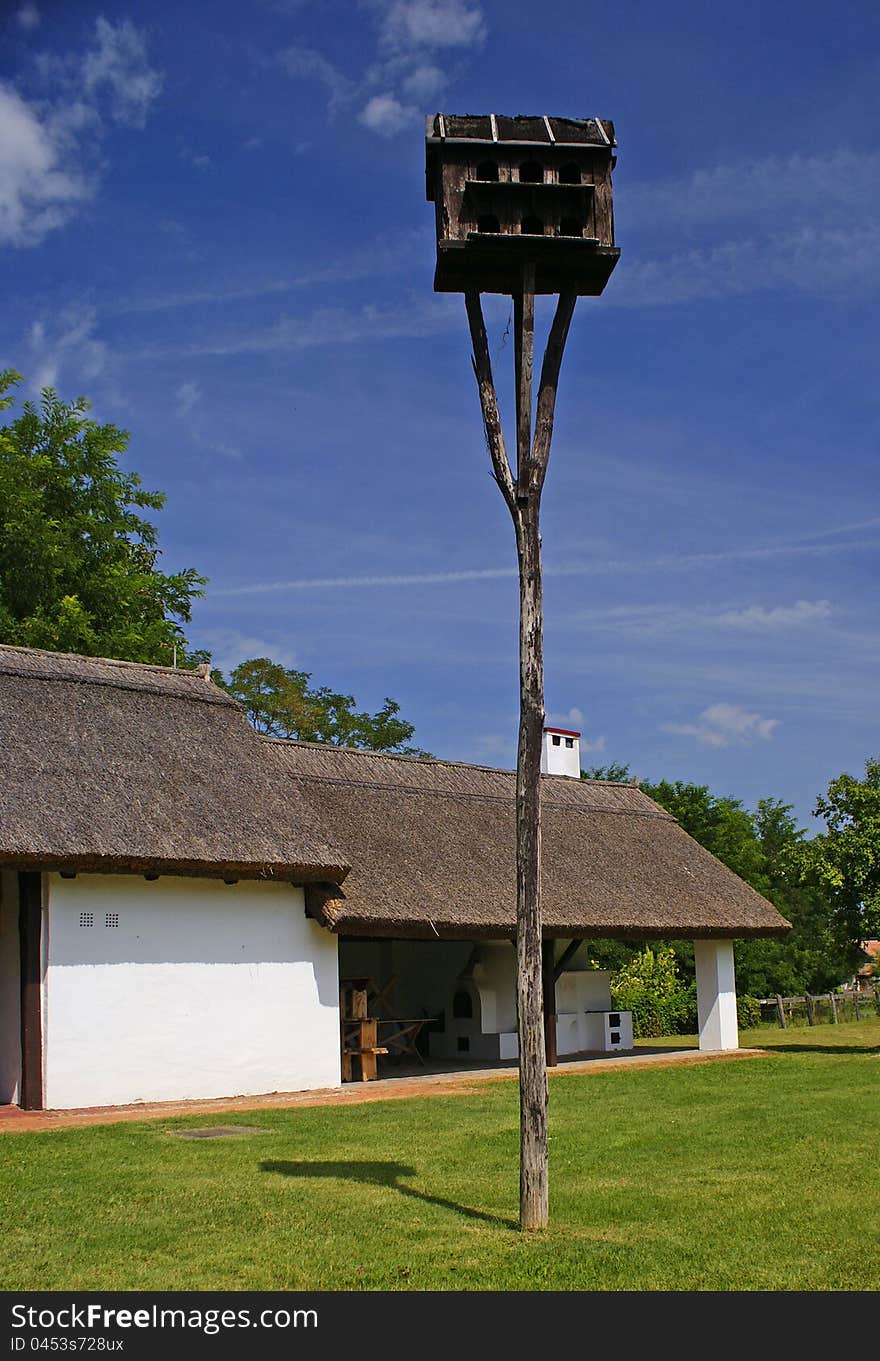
(759, 1174)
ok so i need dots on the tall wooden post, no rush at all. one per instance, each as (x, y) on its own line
(523, 206)
(522, 495)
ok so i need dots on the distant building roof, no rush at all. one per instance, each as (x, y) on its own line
(432, 846)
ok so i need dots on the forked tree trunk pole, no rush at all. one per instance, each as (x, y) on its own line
(522, 495)
(533, 1176)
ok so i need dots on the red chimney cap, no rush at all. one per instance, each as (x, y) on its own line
(563, 732)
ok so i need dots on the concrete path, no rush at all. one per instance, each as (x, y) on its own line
(453, 1082)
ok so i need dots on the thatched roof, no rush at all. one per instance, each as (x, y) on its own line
(108, 765)
(432, 849)
(113, 766)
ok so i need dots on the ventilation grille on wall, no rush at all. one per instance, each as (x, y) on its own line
(86, 918)
(111, 918)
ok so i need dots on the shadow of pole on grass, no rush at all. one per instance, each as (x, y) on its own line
(840, 1049)
(381, 1174)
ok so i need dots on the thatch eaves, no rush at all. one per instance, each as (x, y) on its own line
(433, 850)
(116, 766)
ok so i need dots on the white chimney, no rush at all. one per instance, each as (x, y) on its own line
(561, 754)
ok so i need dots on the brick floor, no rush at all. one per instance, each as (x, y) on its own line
(451, 1082)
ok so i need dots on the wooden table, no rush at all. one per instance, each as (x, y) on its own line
(399, 1034)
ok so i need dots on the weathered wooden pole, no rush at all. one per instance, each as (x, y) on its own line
(522, 496)
(523, 206)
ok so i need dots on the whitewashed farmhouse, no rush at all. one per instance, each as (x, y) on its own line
(180, 897)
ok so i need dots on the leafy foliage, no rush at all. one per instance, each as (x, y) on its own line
(720, 824)
(768, 850)
(650, 986)
(614, 772)
(78, 562)
(845, 860)
(281, 703)
(748, 1012)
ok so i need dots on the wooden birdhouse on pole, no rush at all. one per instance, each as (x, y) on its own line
(523, 206)
(510, 192)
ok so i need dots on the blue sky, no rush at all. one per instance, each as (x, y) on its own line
(212, 223)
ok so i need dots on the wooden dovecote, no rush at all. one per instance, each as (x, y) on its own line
(510, 192)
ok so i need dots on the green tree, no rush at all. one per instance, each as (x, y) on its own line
(845, 859)
(78, 562)
(810, 958)
(773, 854)
(650, 986)
(720, 824)
(614, 772)
(281, 703)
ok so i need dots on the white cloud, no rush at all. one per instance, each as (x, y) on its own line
(573, 719)
(188, 394)
(200, 159)
(117, 65)
(428, 24)
(599, 744)
(39, 188)
(774, 190)
(386, 115)
(228, 647)
(46, 147)
(324, 326)
(393, 88)
(389, 254)
(685, 562)
(822, 263)
(493, 747)
(299, 60)
(776, 616)
(424, 82)
(656, 619)
(65, 343)
(409, 31)
(726, 725)
(762, 227)
(403, 579)
(225, 450)
(28, 17)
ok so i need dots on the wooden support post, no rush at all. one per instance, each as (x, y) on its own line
(524, 340)
(533, 1181)
(833, 997)
(549, 990)
(30, 918)
(368, 1045)
(808, 1003)
(781, 1009)
(568, 953)
(522, 496)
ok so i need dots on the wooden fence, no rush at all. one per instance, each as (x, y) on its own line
(822, 1008)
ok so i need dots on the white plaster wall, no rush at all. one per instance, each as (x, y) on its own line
(716, 994)
(10, 989)
(204, 989)
(583, 990)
